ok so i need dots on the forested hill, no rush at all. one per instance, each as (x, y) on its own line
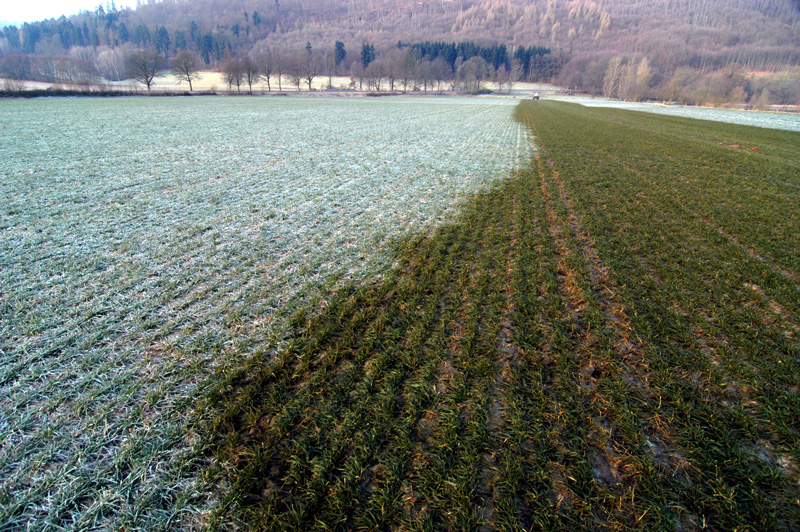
(588, 37)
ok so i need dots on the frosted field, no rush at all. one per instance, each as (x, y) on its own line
(770, 120)
(144, 242)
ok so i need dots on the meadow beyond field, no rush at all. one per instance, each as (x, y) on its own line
(405, 314)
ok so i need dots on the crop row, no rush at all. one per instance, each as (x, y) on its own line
(694, 223)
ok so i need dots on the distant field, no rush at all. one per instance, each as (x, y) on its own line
(215, 82)
(606, 341)
(145, 242)
(789, 121)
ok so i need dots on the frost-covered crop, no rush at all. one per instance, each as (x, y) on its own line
(145, 241)
(771, 120)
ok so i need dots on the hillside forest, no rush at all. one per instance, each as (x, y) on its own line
(709, 52)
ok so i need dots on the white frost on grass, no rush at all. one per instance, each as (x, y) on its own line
(765, 119)
(142, 241)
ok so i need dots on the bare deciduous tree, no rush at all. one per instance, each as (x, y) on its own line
(515, 74)
(613, 77)
(185, 66)
(440, 71)
(329, 66)
(357, 71)
(293, 67)
(310, 65)
(501, 78)
(143, 66)
(424, 74)
(406, 67)
(266, 61)
(234, 73)
(375, 73)
(250, 72)
(111, 63)
(399, 64)
(280, 69)
(13, 86)
(472, 72)
(16, 66)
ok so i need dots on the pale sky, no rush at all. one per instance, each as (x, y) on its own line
(19, 11)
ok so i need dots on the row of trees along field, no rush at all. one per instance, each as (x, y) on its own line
(424, 65)
(699, 51)
(631, 78)
(406, 66)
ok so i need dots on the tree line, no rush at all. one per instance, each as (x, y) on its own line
(532, 63)
(111, 44)
(404, 67)
(631, 77)
(594, 46)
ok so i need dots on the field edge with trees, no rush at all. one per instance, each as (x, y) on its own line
(706, 53)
